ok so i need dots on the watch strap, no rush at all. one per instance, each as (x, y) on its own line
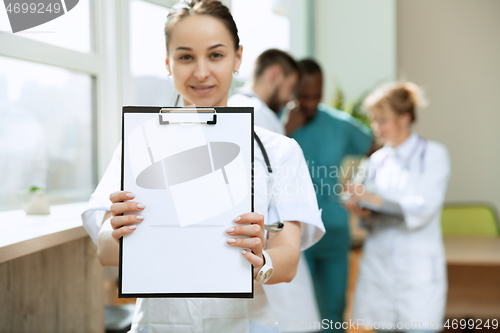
(265, 271)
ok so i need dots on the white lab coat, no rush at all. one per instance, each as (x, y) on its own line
(297, 201)
(293, 302)
(263, 116)
(402, 277)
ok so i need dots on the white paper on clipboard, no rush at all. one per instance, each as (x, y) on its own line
(194, 179)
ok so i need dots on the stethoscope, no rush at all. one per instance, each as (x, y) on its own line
(421, 142)
(277, 226)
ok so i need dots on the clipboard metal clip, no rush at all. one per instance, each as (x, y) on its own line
(188, 120)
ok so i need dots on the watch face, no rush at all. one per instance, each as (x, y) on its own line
(267, 275)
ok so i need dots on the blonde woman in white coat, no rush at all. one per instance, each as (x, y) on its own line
(402, 282)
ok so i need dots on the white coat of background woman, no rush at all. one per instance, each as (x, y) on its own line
(402, 283)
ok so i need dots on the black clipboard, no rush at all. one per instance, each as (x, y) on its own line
(160, 278)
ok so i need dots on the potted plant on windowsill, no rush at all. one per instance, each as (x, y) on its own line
(36, 202)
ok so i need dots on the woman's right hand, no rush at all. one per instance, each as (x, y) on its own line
(124, 224)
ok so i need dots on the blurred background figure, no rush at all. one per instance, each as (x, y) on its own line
(275, 78)
(326, 136)
(402, 275)
(273, 82)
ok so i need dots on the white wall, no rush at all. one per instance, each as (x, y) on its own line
(355, 44)
(297, 12)
(452, 49)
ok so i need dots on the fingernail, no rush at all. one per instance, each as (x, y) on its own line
(132, 227)
(243, 251)
(130, 195)
(140, 217)
(229, 229)
(141, 206)
(236, 219)
(231, 240)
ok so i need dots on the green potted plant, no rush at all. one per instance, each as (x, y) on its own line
(36, 202)
(354, 108)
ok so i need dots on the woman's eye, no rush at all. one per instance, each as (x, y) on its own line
(185, 57)
(216, 55)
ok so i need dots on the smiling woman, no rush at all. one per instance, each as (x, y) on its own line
(203, 51)
(199, 52)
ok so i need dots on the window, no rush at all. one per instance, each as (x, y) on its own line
(45, 132)
(151, 85)
(50, 82)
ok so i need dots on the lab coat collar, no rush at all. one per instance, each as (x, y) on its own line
(247, 91)
(406, 148)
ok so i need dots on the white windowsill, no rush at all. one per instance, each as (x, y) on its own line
(22, 234)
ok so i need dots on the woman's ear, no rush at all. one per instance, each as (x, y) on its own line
(406, 119)
(167, 63)
(403, 121)
(238, 58)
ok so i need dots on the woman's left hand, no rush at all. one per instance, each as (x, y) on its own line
(352, 206)
(355, 191)
(358, 193)
(249, 224)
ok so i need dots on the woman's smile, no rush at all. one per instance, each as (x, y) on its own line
(202, 89)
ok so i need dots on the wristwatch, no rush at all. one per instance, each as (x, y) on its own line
(265, 271)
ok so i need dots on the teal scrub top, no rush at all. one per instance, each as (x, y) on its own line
(325, 141)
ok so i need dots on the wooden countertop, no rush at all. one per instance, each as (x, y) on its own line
(472, 250)
(22, 234)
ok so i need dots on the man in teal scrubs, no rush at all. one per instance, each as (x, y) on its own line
(326, 136)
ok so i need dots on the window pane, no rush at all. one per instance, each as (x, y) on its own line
(45, 132)
(71, 30)
(148, 53)
(259, 29)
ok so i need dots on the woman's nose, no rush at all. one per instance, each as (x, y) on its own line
(202, 70)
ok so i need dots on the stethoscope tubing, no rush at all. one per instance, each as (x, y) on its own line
(279, 225)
